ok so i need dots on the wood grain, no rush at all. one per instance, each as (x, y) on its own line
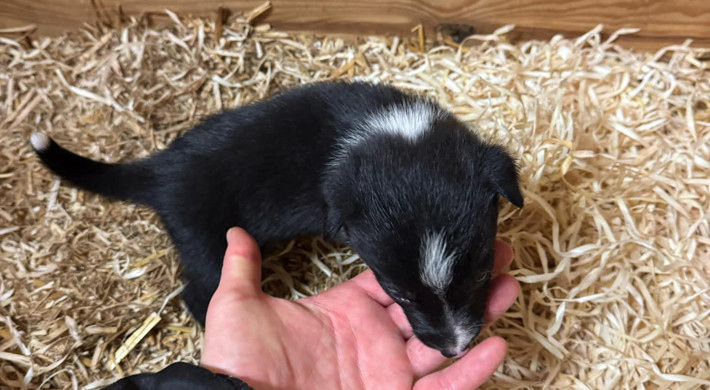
(662, 21)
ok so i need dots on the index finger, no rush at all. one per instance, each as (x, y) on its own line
(471, 371)
(503, 254)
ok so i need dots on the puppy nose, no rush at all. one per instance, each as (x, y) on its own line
(448, 353)
(453, 353)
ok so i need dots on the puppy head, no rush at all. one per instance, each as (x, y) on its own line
(423, 216)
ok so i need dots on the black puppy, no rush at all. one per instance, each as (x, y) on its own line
(410, 188)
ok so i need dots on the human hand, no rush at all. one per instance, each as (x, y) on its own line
(350, 337)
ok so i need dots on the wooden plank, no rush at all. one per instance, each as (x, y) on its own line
(662, 21)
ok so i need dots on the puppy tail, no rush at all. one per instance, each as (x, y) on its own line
(130, 182)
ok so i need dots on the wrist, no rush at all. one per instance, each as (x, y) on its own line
(238, 383)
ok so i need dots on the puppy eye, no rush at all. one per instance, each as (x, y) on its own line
(400, 298)
(482, 278)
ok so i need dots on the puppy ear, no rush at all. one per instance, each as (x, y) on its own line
(333, 229)
(502, 172)
(340, 206)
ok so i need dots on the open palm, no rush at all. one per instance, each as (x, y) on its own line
(350, 337)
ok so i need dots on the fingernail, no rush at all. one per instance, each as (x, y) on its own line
(234, 259)
(231, 230)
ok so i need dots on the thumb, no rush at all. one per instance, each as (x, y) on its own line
(241, 269)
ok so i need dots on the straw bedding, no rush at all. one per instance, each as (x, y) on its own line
(612, 247)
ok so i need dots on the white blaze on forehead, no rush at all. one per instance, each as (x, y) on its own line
(436, 266)
(436, 270)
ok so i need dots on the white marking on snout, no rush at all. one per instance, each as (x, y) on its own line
(463, 331)
(463, 337)
(436, 268)
(39, 141)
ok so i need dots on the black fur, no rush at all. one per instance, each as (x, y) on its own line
(265, 167)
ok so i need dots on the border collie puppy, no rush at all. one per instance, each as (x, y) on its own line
(403, 182)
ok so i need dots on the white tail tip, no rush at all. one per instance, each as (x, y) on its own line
(39, 141)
